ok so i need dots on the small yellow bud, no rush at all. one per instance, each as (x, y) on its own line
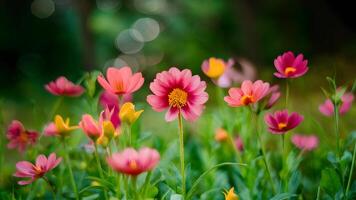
(230, 195)
(221, 135)
(128, 114)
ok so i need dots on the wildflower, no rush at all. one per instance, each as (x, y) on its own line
(281, 122)
(239, 144)
(273, 96)
(327, 108)
(128, 114)
(221, 135)
(91, 127)
(121, 81)
(249, 93)
(110, 101)
(19, 137)
(230, 195)
(289, 66)
(304, 142)
(25, 169)
(132, 162)
(179, 92)
(215, 67)
(59, 127)
(64, 87)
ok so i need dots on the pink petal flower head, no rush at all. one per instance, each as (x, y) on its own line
(273, 96)
(179, 92)
(280, 122)
(64, 87)
(25, 169)
(132, 162)
(110, 101)
(121, 81)
(90, 127)
(19, 137)
(239, 144)
(304, 142)
(289, 66)
(327, 108)
(249, 93)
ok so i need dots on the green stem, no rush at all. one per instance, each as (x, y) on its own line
(351, 170)
(181, 150)
(287, 93)
(55, 108)
(100, 169)
(147, 180)
(51, 187)
(336, 116)
(264, 154)
(318, 194)
(134, 187)
(118, 190)
(71, 176)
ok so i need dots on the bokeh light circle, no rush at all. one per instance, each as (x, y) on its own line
(148, 27)
(129, 41)
(42, 8)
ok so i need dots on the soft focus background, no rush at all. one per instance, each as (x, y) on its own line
(43, 39)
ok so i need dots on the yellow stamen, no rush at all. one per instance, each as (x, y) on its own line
(177, 98)
(246, 99)
(133, 165)
(289, 70)
(281, 126)
(23, 136)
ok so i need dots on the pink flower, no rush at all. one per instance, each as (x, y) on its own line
(305, 142)
(249, 93)
(281, 122)
(19, 137)
(289, 66)
(273, 96)
(64, 87)
(327, 108)
(121, 81)
(179, 92)
(239, 144)
(134, 162)
(25, 169)
(110, 101)
(91, 127)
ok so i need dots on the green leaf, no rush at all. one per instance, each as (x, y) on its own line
(283, 196)
(294, 182)
(201, 177)
(103, 183)
(330, 181)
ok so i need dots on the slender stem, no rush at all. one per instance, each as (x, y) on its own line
(336, 116)
(232, 143)
(287, 93)
(55, 108)
(134, 186)
(71, 176)
(351, 170)
(147, 181)
(181, 148)
(264, 154)
(318, 194)
(51, 187)
(118, 190)
(100, 169)
(283, 175)
(127, 192)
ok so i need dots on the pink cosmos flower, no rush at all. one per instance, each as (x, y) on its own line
(249, 93)
(25, 169)
(304, 142)
(273, 96)
(280, 122)
(289, 66)
(121, 81)
(327, 108)
(91, 127)
(239, 143)
(179, 92)
(64, 87)
(19, 137)
(110, 101)
(132, 162)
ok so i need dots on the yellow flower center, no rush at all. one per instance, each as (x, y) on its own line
(246, 99)
(281, 125)
(289, 70)
(216, 68)
(177, 98)
(133, 165)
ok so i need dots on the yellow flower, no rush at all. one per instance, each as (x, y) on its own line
(128, 114)
(216, 68)
(103, 141)
(230, 195)
(63, 126)
(221, 135)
